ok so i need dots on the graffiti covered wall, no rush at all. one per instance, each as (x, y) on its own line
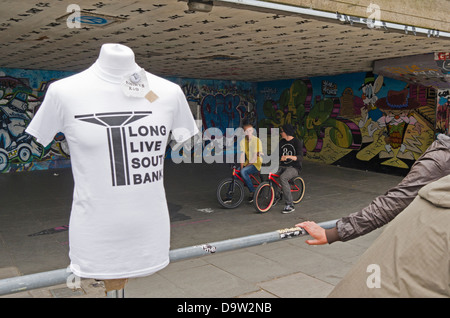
(21, 93)
(215, 104)
(359, 120)
(443, 111)
(220, 104)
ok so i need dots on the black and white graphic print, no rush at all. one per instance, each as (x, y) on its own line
(288, 150)
(118, 129)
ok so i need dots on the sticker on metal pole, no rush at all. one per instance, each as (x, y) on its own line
(208, 248)
(291, 232)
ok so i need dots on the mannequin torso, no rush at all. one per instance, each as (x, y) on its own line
(119, 225)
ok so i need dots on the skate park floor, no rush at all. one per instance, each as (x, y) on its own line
(35, 211)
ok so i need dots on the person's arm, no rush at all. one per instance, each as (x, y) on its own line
(298, 149)
(316, 231)
(242, 153)
(386, 207)
(321, 236)
(280, 153)
(284, 158)
(253, 152)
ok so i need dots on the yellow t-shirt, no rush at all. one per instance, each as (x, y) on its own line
(251, 149)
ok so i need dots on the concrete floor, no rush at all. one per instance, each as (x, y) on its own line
(34, 202)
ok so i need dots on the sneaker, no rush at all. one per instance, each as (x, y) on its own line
(288, 209)
(250, 198)
(227, 201)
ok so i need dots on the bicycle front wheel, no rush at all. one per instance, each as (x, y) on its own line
(230, 193)
(263, 197)
(297, 189)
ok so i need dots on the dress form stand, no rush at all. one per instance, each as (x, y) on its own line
(116, 61)
(115, 288)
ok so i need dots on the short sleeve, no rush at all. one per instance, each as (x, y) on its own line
(241, 148)
(184, 125)
(259, 146)
(47, 121)
(299, 148)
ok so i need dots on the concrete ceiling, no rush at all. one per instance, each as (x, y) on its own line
(230, 43)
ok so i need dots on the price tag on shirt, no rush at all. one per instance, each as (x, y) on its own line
(136, 84)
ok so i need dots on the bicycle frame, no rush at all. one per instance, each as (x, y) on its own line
(230, 192)
(270, 192)
(237, 174)
(272, 180)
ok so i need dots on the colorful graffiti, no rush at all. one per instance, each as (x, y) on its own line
(220, 105)
(311, 118)
(16, 145)
(443, 111)
(21, 93)
(215, 104)
(357, 120)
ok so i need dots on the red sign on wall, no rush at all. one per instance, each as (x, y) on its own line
(441, 56)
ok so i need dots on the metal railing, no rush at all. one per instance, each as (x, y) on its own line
(61, 276)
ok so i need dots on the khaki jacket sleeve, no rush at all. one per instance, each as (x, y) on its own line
(431, 166)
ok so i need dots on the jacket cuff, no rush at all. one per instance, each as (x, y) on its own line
(332, 235)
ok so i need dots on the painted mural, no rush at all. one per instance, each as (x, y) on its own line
(360, 120)
(443, 111)
(221, 105)
(214, 104)
(21, 93)
(357, 120)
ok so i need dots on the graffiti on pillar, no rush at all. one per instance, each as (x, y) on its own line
(357, 120)
(219, 105)
(15, 144)
(19, 151)
(215, 104)
(443, 111)
(223, 111)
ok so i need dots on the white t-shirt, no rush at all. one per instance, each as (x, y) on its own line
(119, 224)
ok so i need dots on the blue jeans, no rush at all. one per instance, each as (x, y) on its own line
(245, 173)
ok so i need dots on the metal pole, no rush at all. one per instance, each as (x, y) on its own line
(61, 276)
(118, 293)
(241, 242)
(33, 281)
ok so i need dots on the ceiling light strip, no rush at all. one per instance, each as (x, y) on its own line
(338, 16)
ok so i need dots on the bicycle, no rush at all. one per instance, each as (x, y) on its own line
(270, 192)
(230, 191)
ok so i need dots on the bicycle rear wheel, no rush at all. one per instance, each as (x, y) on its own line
(297, 189)
(230, 193)
(263, 197)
